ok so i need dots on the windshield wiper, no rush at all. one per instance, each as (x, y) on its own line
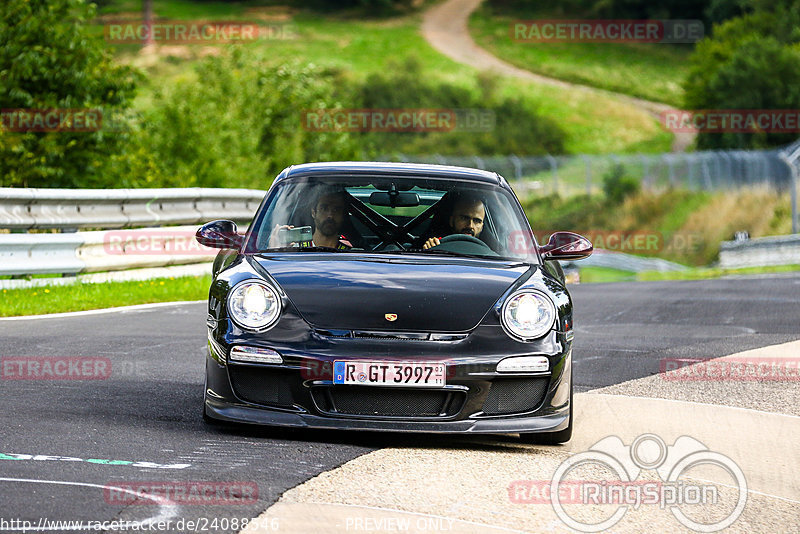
(459, 254)
(303, 249)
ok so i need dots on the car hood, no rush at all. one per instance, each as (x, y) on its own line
(341, 292)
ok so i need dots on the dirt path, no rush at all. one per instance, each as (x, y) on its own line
(444, 26)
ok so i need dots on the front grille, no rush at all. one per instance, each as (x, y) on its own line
(270, 386)
(394, 336)
(515, 395)
(387, 402)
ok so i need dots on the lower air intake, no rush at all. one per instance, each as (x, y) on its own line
(386, 402)
(271, 387)
(515, 395)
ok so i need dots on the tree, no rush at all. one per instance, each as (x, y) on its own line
(49, 60)
(751, 62)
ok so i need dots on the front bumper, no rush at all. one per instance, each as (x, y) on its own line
(477, 399)
(240, 413)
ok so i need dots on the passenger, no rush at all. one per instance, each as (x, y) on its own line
(328, 214)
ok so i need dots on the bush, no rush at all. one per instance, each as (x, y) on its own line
(518, 127)
(239, 123)
(751, 62)
(236, 125)
(49, 61)
(617, 185)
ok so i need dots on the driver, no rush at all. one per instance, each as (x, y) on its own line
(328, 214)
(466, 218)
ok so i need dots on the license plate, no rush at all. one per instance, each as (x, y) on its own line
(410, 374)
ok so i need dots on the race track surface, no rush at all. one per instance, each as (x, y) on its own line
(147, 409)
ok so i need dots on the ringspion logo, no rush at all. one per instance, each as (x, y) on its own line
(674, 489)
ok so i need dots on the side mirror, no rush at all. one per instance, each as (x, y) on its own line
(219, 234)
(566, 246)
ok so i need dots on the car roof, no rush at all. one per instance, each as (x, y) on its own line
(373, 168)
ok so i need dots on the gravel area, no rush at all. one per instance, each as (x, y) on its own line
(490, 481)
(480, 485)
(731, 381)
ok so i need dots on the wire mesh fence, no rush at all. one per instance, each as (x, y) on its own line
(569, 175)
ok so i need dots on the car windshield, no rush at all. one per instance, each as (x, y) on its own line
(392, 215)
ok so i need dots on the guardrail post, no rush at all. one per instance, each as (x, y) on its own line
(554, 169)
(517, 166)
(645, 171)
(670, 169)
(792, 190)
(588, 161)
(706, 172)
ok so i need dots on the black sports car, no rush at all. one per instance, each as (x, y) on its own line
(389, 296)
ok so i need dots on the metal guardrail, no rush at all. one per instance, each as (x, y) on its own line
(72, 209)
(760, 252)
(626, 262)
(109, 248)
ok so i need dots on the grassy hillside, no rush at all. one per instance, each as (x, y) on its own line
(360, 47)
(650, 71)
(682, 226)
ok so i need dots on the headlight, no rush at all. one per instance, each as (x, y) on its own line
(254, 305)
(528, 315)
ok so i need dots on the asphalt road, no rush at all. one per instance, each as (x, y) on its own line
(147, 409)
(624, 330)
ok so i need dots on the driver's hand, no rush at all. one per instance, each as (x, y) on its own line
(432, 242)
(274, 241)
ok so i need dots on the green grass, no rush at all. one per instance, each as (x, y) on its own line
(714, 272)
(84, 296)
(591, 275)
(688, 226)
(187, 9)
(593, 123)
(651, 71)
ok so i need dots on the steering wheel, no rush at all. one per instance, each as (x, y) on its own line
(464, 244)
(461, 237)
